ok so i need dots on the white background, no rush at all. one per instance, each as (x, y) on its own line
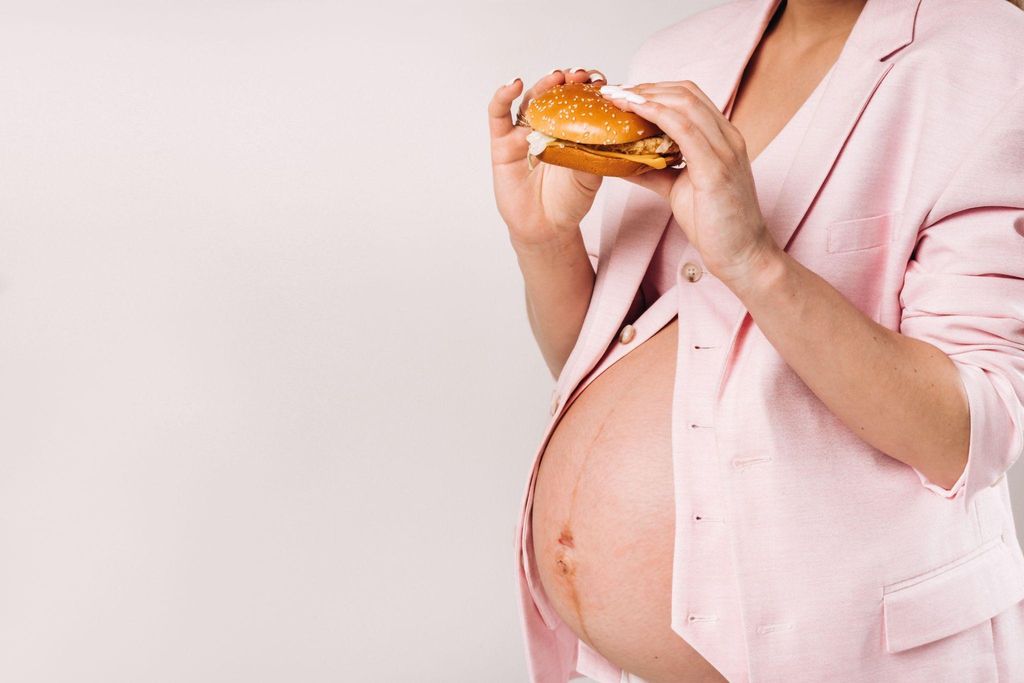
(268, 394)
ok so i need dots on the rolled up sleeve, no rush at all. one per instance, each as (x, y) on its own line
(995, 441)
(963, 292)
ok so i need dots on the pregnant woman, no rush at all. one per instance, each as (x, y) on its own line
(789, 377)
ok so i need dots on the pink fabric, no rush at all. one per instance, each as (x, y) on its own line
(769, 168)
(904, 188)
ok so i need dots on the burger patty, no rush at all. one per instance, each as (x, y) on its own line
(645, 146)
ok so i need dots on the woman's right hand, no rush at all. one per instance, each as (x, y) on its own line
(543, 206)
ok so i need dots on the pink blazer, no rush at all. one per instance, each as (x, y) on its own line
(837, 562)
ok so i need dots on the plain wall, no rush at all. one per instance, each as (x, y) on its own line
(268, 393)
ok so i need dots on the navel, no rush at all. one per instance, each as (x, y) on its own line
(565, 565)
(564, 560)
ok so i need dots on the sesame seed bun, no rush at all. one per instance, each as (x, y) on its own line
(578, 112)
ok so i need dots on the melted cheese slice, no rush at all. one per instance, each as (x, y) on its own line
(652, 160)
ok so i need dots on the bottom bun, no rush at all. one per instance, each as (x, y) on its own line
(582, 160)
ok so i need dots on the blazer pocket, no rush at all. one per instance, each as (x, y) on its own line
(861, 233)
(952, 597)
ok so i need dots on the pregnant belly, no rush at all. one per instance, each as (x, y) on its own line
(603, 517)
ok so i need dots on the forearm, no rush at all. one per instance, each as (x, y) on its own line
(559, 281)
(901, 395)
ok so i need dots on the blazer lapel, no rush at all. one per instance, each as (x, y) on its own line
(635, 221)
(719, 75)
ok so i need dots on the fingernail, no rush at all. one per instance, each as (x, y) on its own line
(512, 82)
(624, 95)
(553, 71)
(597, 76)
(577, 68)
(606, 89)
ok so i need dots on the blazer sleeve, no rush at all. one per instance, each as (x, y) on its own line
(964, 293)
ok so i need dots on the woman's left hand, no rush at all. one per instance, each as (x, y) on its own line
(713, 197)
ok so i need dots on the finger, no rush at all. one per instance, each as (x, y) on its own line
(499, 113)
(705, 164)
(676, 87)
(692, 87)
(731, 132)
(689, 85)
(581, 75)
(671, 86)
(711, 120)
(508, 141)
(685, 102)
(658, 181)
(511, 148)
(590, 182)
(546, 82)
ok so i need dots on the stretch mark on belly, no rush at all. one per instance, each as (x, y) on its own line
(583, 465)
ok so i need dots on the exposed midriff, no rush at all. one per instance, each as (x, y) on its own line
(603, 516)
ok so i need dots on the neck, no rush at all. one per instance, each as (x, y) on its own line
(816, 21)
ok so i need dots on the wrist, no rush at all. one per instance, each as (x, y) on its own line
(762, 272)
(555, 246)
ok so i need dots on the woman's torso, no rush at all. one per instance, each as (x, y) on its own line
(603, 510)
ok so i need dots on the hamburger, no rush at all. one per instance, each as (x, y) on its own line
(573, 125)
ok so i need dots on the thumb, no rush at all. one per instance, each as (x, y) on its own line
(590, 182)
(659, 181)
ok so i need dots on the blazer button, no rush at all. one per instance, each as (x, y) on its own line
(692, 272)
(627, 334)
